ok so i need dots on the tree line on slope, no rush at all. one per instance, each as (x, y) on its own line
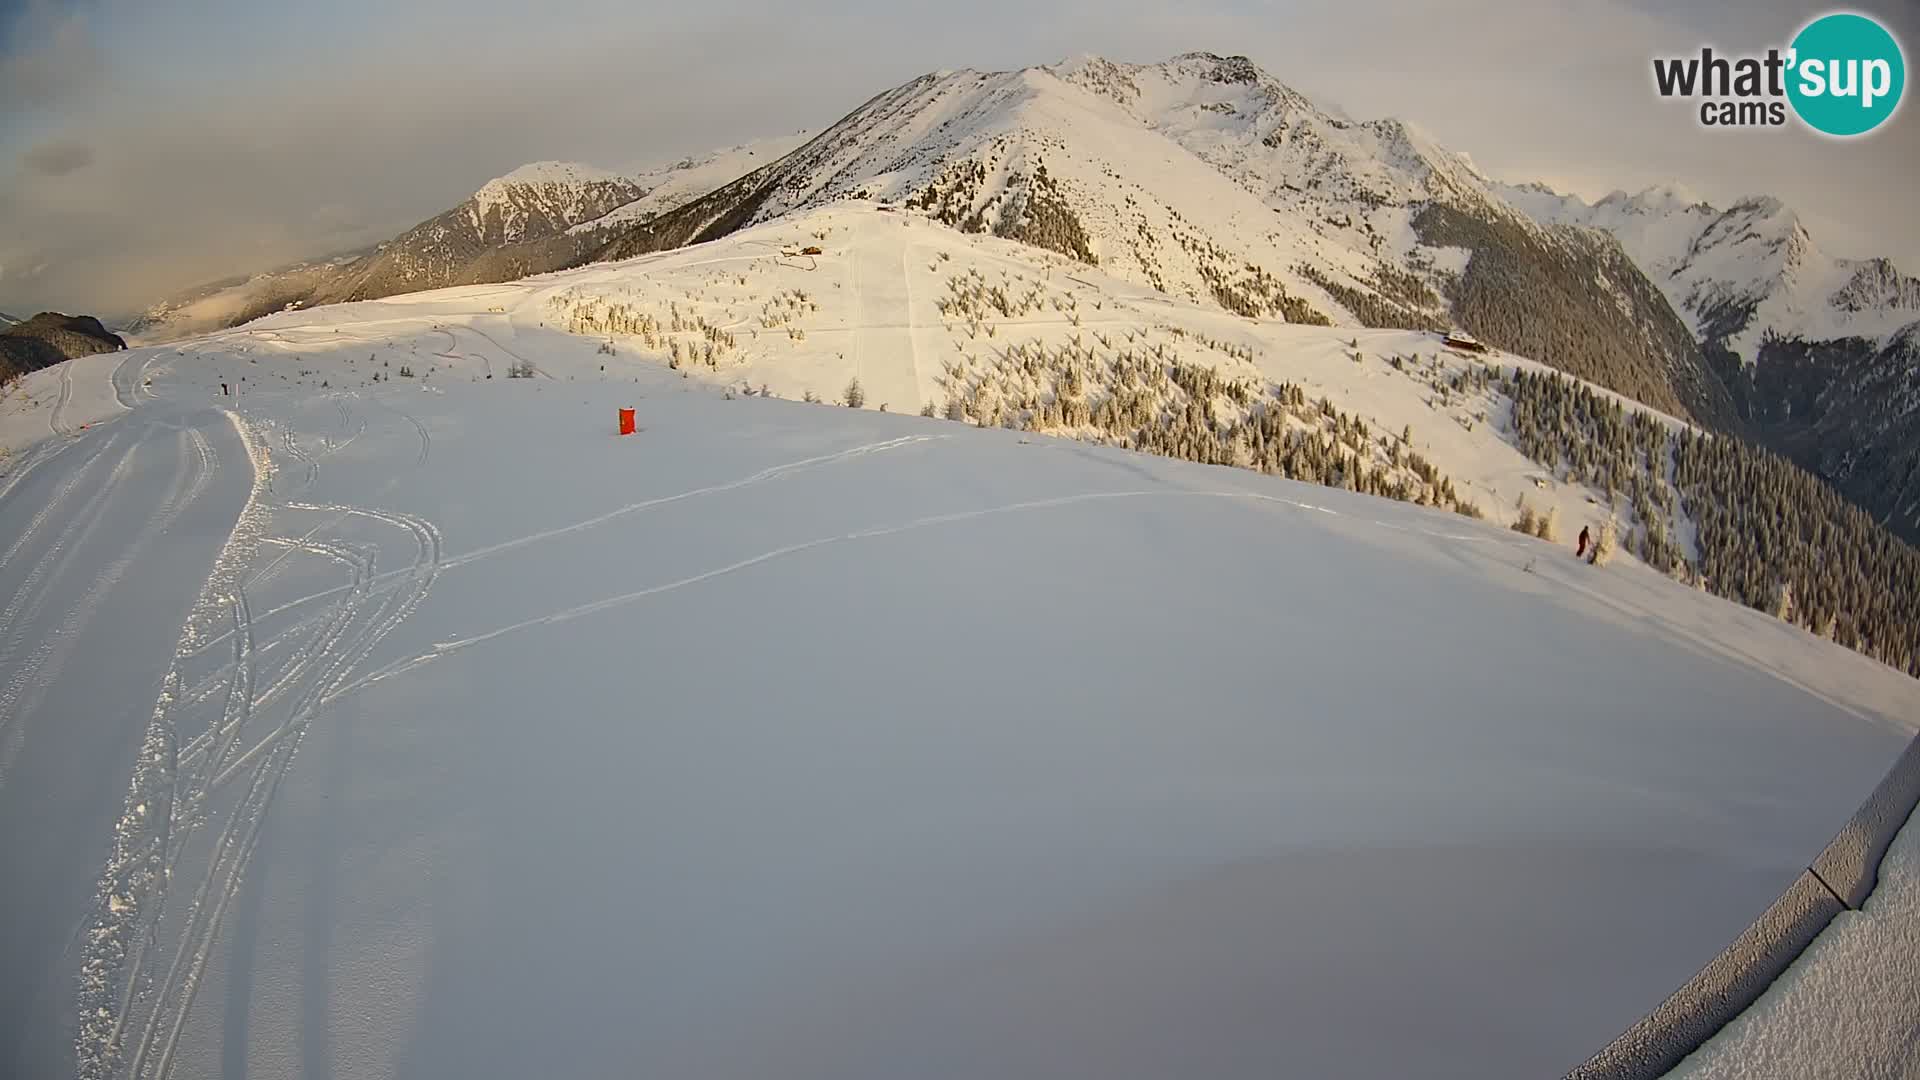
(1149, 399)
(1031, 210)
(1846, 409)
(1400, 300)
(1575, 302)
(1768, 534)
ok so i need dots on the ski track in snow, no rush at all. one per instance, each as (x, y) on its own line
(267, 573)
(28, 600)
(857, 329)
(192, 476)
(39, 519)
(311, 467)
(56, 418)
(764, 475)
(353, 634)
(39, 455)
(133, 887)
(913, 326)
(266, 765)
(426, 439)
(772, 472)
(454, 343)
(567, 615)
(147, 954)
(332, 443)
(491, 340)
(126, 389)
(310, 474)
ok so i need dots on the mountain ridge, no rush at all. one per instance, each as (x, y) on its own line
(1204, 177)
(1818, 352)
(538, 217)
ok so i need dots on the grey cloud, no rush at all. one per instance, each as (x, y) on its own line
(52, 59)
(309, 165)
(335, 219)
(57, 158)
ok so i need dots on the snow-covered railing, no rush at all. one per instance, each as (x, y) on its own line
(1840, 879)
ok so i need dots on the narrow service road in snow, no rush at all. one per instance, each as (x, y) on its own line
(104, 547)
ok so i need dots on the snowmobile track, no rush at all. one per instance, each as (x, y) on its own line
(59, 497)
(132, 891)
(352, 635)
(57, 418)
(126, 389)
(389, 580)
(31, 596)
(426, 439)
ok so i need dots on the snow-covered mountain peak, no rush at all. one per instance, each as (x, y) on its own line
(667, 187)
(545, 196)
(1738, 273)
(1193, 88)
(1667, 198)
(1274, 140)
(1785, 325)
(1758, 244)
(1206, 179)
(1879, 284)
(1762, 205)
(1090, 70)
(550, 172)
(550, 181)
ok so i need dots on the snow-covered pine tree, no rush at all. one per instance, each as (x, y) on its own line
(1528, 522)
(1606, 543)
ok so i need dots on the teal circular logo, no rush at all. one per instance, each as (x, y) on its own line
(1846, 75)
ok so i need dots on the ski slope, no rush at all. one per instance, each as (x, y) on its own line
(427, 728)
(110, 531)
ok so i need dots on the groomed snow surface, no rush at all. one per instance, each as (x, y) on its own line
(424, 727)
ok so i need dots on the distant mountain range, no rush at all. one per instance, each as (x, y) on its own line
(1205, 177)
(1821, 354)
(539, 217)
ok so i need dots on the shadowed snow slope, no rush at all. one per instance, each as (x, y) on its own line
(785, 740)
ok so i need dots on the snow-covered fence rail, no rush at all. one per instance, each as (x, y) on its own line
(1851, 864)
(1840, 879)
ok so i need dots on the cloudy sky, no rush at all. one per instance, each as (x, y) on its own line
(145, 147)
